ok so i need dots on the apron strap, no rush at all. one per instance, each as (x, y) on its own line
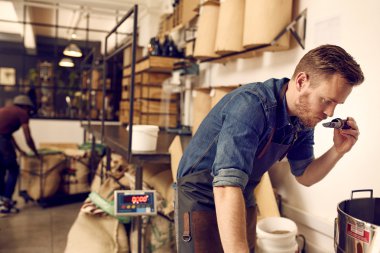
(186, 236)
(267, 145)
(284, 88)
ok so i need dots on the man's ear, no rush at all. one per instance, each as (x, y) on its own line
(301, 80)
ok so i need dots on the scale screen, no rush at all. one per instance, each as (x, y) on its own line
(135, 202)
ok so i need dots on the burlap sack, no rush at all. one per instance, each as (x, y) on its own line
(158, 233)
(95, 231)
(92, 234)
(118, 167)
(162, 183)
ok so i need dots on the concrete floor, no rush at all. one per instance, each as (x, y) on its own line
(36, 229)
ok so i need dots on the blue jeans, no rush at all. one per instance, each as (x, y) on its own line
(9, 168)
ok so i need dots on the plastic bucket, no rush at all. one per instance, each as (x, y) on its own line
(144, 137)
(276, 235)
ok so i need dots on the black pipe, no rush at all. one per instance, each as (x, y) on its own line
(130, 12)
(56, 26)
(132, 86)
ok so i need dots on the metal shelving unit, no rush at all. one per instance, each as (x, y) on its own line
(124, 150)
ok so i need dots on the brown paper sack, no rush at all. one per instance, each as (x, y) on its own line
(201, 106)
(229, 36)
(206, 34)
(264, 20)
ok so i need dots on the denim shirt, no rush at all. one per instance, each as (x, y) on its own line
(234, 132)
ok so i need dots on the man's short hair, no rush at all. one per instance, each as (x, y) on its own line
(327, 60)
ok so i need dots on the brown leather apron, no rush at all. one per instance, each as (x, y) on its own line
(197, 224)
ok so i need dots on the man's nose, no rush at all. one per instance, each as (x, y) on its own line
(329, 110)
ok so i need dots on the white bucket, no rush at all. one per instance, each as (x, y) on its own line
(144, 137)
(276, 235)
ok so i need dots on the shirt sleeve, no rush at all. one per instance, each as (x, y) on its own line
(243, 125)
(301, 154)
(23, 117)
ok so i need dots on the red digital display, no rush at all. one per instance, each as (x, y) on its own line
(136, 199)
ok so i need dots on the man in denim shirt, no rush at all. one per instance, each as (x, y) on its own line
(245, 134)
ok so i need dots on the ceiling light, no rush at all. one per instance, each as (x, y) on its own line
(66, 62)
(72, 50)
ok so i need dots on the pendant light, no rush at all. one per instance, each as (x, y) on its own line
(66, 62)
(72, 50)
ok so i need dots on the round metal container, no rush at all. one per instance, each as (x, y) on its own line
(357, 228)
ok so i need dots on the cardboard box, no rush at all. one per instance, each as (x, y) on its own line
(176, 152)
(42, 178)
(152, 78)
(125, 104)
(156, 92)
(124, 117)
(162, 120)
(159, 106)
(57, 146)
(265, 198)
(124, 94)
(125, 81)
(156, 64)
(96, 81)
(76, 178)
(127, 55)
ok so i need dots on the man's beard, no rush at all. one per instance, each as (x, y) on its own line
(304, 112)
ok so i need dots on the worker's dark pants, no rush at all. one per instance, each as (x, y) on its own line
(9, 168)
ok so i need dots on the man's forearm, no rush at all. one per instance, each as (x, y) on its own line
(29, 139)
(230, 212)
(17, 147)
(320, 167)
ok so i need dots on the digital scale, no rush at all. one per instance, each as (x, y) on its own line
(137, 202)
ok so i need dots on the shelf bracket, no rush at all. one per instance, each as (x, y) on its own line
(293, 30)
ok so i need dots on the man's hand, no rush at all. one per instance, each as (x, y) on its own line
(345, 139)
(38, 155)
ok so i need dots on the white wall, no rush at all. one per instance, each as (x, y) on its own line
(354, 25)
(53, 131)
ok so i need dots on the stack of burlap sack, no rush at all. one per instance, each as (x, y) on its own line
(98, 230)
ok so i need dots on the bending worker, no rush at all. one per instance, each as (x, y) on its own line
(249, 130)
(11, 119)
